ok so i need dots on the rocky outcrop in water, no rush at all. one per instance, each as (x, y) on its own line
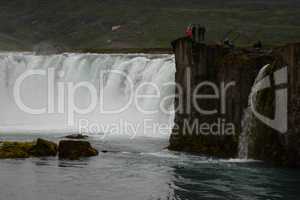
(73, 150)
(200, 72)
(67, 149)
(39, 148)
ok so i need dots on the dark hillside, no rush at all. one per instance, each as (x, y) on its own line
(144, 23)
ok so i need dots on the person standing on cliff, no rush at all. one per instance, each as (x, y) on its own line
(189, 32)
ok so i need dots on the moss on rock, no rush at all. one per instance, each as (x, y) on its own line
(15, 149)
(37, 148)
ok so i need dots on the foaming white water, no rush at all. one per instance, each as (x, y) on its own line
(247, 121)
(117, 79)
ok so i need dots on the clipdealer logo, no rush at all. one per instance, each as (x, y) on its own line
(279, 122)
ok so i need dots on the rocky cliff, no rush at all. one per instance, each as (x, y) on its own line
(213, 88)
(279, 144)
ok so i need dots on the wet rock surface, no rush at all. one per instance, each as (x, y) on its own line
(73, 150)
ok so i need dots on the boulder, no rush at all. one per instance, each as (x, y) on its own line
(76, 136)
(73, 150)
(44, 148)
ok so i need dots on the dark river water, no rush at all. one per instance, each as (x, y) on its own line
(141, 169)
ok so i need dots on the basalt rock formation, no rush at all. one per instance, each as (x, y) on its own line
(214, 87)
(279, 144)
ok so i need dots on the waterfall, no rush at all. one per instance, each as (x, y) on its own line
(116, 80)
(246, 128)
(248, 118)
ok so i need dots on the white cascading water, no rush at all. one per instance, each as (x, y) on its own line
(96, 69)
(247, 121)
